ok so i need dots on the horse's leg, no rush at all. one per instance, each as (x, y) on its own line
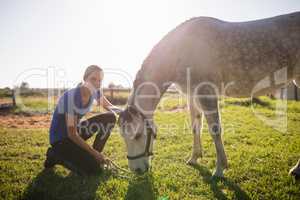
(210, 108)
(196, 120)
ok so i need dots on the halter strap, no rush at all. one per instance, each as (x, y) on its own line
(150, 133)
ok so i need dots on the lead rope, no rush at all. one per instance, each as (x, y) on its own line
(116, 169)
(111, 165)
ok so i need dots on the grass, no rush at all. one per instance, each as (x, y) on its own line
(259, 160)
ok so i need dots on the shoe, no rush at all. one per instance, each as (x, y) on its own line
(295, 171)
(51, 159)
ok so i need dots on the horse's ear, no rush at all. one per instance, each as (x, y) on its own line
(121, 118)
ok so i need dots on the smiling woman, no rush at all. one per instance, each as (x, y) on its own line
(68, 134)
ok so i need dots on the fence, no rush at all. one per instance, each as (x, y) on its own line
(117, 96)
(9, 102)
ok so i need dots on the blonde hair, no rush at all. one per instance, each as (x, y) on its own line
(90, 69)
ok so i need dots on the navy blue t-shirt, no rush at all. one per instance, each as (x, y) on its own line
(69, 103)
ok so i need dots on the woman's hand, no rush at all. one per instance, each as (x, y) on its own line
(99, 157)
(115, 109)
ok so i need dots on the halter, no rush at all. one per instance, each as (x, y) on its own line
(150, 133)
(149, 129)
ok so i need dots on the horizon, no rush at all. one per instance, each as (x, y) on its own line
(50, 43)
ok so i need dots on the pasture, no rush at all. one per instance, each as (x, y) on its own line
(259, 159)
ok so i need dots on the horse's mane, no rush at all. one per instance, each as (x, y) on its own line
(139, 77)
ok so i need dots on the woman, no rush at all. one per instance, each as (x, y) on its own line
(68, 134)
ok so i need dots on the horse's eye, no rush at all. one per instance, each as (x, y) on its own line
(137, 136)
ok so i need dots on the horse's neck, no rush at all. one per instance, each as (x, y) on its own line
(146, 95)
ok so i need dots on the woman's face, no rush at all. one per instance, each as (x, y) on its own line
(95, 79)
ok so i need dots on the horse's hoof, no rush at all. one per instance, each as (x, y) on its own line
(218, 174)
(200, 154)
(191, 162)
(295, 171)
(295, 175)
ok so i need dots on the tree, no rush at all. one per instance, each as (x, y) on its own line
(111, 85)
(24, 85)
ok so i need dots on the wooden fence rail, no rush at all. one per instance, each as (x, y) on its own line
(6, 105)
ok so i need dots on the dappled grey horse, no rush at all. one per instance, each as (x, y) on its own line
(206, 58)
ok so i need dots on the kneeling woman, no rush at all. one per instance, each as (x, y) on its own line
(68, 134)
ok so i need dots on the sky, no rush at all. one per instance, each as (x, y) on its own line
(49, 43)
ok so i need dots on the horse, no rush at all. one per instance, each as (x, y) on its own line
(204, 56)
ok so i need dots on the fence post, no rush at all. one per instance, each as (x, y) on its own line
(13, 98)
(111, 94)
(296, 92)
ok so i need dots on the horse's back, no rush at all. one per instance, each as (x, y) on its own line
(244, 53)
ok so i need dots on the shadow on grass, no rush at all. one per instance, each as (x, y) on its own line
(141, 187)
(248, 102)
(223, 183)
(50, 185)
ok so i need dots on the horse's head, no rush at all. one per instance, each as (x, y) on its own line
(138, 133)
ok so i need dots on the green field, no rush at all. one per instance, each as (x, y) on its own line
(259, 160)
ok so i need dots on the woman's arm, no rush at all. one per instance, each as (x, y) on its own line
(104, 102)
(71, 121)
(109, 106)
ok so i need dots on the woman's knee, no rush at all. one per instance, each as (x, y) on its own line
(110, 117)
(107, 126)
(109, 122)
(105, 118)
